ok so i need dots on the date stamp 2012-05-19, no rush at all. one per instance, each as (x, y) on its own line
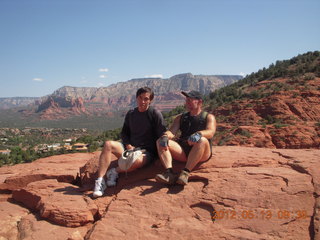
(262, 214)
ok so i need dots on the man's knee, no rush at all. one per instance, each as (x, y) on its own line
(107, 146)
(202, 145)
(140, 162)
(204, 141)
(205, 146)
(162, 149)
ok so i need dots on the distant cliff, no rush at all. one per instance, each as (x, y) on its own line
(181, 82)
(78, 106)
(121, 96)
(6, 103)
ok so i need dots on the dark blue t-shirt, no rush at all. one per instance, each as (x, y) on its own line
(142, 129)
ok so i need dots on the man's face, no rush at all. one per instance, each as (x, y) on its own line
(143, 101)
(192, 103)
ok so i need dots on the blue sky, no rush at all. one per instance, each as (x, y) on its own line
(47, 44)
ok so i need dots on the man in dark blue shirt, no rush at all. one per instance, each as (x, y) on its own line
(142, 127)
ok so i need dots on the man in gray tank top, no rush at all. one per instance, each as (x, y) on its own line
(193, 146)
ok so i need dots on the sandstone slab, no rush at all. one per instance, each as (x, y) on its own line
(241, 193)
(11, 215)
(60, 203)
(64, 168)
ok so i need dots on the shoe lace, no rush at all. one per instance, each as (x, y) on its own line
(99, 186)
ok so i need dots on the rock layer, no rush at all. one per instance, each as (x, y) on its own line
(241, 193)
(288, 117)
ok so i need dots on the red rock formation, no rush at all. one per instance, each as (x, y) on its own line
(68, 102)
(241, 193)
(286, 118)
(60, 108)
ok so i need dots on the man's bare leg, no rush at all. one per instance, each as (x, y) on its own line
(104, 162)
(200, 152)
(166, 154)
(110, 147)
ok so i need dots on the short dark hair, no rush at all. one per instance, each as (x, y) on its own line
(144, 90)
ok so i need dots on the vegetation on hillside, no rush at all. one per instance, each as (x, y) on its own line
(301, 65)
(18, 155)
(11, 118)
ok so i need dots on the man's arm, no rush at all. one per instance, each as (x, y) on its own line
(160, 127)
(210, 128)
(125, 132)
(174, 128)
(170, 134)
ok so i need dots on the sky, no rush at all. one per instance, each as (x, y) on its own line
(48, 44)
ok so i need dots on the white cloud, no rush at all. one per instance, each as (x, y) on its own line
(154, 76)
(100, 84)
(38, 79)
(103, 70)
(103, 76)
(242, 74)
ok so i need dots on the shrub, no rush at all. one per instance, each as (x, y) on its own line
(309, 76)
(270, 119)
(224, 140)
(280, 125)
(245, 133)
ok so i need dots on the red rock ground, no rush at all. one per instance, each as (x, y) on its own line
(241, 193)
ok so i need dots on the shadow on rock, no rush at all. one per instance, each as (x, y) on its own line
(203, 209)
(70, 190)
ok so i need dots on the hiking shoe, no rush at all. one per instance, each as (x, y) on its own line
(166, 177)
(112, 177)
(183, 178)
(99, 188)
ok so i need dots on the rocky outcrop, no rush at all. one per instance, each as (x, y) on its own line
(59, 107)
(241, 193)
(45, 197)
(69, 102)
(11, 102)
(122, 94)
(277, 117)
(177, 83)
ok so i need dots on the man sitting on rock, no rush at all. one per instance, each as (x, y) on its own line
(193, 145)
(142, 127)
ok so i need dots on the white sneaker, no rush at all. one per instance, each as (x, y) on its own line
(112, 176)
(99, 188)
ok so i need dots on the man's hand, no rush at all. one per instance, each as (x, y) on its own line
(194, 138)
(129, 147)
(164, 141)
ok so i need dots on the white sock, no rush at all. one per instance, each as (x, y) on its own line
(99, 178)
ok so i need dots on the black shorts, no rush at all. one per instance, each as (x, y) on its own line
(187, 148)
(150, 157)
